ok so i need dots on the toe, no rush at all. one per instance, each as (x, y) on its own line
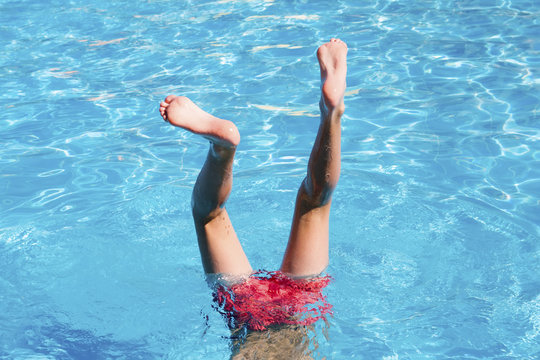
(169, 98)
(162, 112)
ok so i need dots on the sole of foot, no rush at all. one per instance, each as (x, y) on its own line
(332, 58)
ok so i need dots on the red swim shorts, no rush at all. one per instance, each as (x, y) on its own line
(273, 298)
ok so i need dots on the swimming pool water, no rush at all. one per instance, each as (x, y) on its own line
(435, 222)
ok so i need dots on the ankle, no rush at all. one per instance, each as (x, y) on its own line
(331, 111)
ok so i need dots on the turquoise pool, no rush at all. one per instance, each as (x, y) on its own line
(435, 225)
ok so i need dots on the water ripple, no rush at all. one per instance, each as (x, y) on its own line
(434, 223)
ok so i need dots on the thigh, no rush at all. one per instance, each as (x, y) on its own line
(221, 251)
(307, 249)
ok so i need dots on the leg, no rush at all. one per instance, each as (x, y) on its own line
(307, 250)
(220, 249)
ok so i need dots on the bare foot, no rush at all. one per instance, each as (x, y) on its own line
(332, 58)
(182, 112)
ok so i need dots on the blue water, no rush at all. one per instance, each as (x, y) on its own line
(435, 223)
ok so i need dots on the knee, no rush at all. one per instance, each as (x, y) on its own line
(203, 215)
(317, 194)
(204, 209)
